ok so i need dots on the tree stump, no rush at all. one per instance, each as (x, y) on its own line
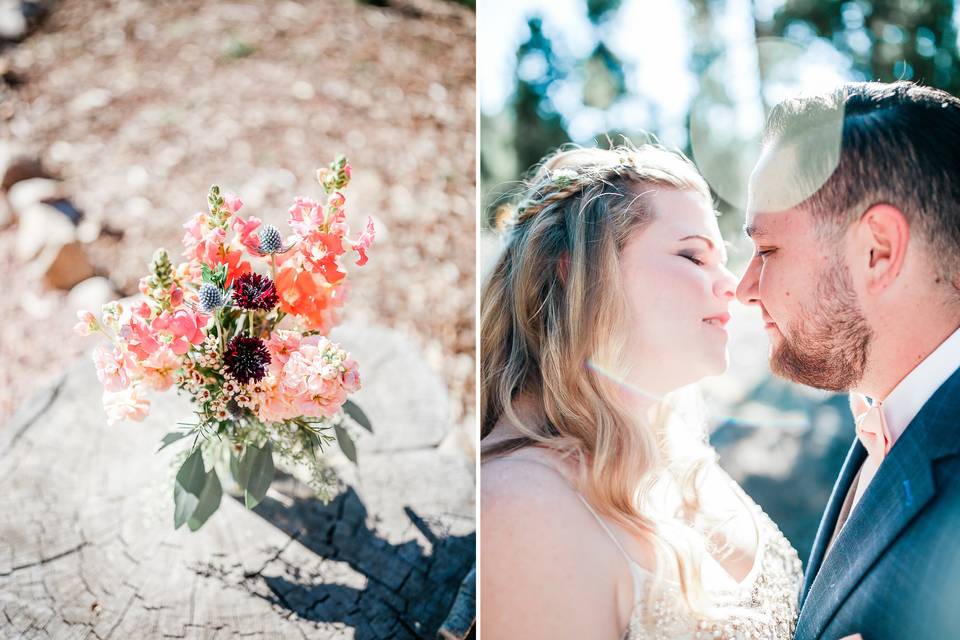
(88, 549)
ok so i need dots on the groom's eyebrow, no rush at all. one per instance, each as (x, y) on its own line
(751, 230)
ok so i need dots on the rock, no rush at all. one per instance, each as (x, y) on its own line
(13, 24)
(462, 438)
(23, 193)
(41, 225)
(19, 17)
(89, 230)
(65, 265)
(91, 294)
(17, 164)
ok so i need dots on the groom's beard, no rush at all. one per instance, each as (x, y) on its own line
(827, 346)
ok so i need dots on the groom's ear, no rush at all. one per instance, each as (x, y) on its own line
(882, 236)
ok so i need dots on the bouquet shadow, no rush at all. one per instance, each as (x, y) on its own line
(396, 589)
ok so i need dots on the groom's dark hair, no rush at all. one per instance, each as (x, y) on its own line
(870, 142)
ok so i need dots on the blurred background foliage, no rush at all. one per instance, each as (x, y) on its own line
(700, 76)
(575, 62)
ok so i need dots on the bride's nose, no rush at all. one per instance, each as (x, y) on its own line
(725, 286)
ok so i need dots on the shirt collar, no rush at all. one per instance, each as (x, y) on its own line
(903, 404)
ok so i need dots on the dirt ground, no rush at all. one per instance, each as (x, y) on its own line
(138, 106)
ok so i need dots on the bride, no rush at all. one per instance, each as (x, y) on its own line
(603, 511)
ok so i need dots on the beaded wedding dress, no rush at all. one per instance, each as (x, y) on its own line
(764, 603)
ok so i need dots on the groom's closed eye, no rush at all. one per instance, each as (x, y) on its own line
(764, 252)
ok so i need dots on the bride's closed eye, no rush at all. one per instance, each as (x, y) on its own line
(692, 258)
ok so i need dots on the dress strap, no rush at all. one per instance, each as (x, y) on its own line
(603, 524)
(637, 573)
(605, 528)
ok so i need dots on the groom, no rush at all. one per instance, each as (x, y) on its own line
(854, 211)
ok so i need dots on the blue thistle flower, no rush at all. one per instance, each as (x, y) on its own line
(270, 240)
(211, 297)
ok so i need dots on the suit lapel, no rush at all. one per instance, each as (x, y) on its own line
(900, 489)
(828, 523)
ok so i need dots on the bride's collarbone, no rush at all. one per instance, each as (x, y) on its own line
(735, 545)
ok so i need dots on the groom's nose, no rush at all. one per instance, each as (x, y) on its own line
(748, 291)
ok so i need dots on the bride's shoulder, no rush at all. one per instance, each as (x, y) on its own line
(534, 462)
(543, 563)
(531, 489)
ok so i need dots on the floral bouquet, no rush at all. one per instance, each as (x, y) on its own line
(249, 348)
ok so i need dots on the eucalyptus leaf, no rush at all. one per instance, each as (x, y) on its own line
(346, 444)
(235, 470)
(191, 480)
(255, 473)
(172, 437)
(209, 501)
(358, 415)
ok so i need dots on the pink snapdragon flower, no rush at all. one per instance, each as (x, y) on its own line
(305, 217)
(126, 404)
(158, 370)
(115, 367)
(363, 242)
(232, 203)
(88, 323)
(139, 337)
(247, 231)
(181, 329)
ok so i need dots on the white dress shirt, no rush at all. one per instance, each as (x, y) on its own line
(903, 404)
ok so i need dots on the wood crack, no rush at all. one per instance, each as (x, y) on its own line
(53, 393)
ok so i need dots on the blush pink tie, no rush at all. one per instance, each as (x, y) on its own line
(875, 438)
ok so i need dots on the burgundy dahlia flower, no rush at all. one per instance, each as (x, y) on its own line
(246, 359)
(254, 291)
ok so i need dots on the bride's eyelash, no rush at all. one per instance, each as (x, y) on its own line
(692, 258)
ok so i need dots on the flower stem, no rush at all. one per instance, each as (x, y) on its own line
(216, 315)
(250, 323)
(273, 267)
(280, 316)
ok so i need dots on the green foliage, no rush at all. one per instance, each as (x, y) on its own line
(172, 437)
(346, 443)
(216, 277)
(357, 415)
(254, 472)
(191, 480)
(209, 501)
(886, 40)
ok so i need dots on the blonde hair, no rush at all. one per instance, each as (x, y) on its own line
(551, 307)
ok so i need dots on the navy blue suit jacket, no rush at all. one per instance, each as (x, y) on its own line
(894, 570)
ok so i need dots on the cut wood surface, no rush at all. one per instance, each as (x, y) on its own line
(88, 549)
